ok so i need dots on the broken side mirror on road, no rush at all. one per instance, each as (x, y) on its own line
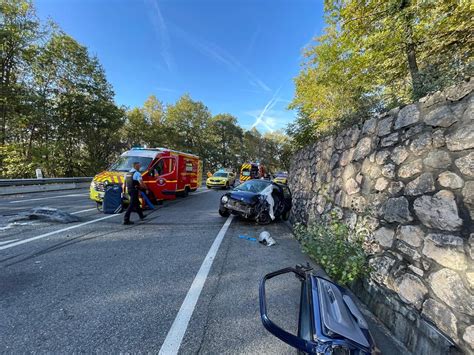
(329, 320)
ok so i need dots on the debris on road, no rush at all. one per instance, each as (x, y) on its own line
(266, 239)
(47, 214)
(247, 238)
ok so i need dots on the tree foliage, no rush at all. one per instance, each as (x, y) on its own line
(377, 54)
(57, 111)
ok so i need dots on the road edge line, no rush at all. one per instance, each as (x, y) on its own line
(176, 333)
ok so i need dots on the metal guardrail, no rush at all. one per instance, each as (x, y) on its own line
(26, 182)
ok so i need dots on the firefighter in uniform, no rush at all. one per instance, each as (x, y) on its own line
(134, 183)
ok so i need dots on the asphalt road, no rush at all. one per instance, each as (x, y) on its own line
(99, 286)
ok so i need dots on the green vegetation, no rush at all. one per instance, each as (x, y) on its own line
(375, 55)
(57, 111)
(335, 248)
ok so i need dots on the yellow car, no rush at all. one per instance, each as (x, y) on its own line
(281, 178)
(221, 179)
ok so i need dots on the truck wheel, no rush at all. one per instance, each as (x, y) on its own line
(224, 212)
(186, 191)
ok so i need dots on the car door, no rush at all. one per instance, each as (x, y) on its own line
(166, 173)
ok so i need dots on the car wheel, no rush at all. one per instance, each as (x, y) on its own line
(208, 186)
(264, 218)
(224, 212)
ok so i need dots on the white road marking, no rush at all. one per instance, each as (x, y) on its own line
(176, 333)
(46, 198)
(56, 232)
(7, 241)
(89, 209)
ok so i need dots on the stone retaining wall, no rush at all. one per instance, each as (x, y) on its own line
(405, 177)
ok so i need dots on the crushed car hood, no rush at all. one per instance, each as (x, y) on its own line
(244, 196)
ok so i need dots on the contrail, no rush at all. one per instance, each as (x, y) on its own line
(270, 104)
(219, 55)
(161, 30)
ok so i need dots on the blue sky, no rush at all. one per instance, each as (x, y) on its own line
(238, 57)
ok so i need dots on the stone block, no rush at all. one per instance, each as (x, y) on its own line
(381, 267)
(351, 186)
(450, 180)
(441, 316)
(462, 138)
(410, 169)
(457, 92)
(438, 138)
(449, 288)
(468, 336)
(390, 140)
(369, 126)
(411, 289)
(384, 236)
(371, 170)
(346, 157)
(468, 196)
(381, 184)
(438, 159)
(466, 164)
(407, 250)
(421, 185)
(407, 116)
(388, 171)
(395, 187)
(363, 148)
(396, 210)
(385, 126)
(439, 211)
(381, 157)
(446, 250)
(421, 144)
(399, 154)
(440, 116)
(412, 235)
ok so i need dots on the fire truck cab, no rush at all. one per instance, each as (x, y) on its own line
(167, 173)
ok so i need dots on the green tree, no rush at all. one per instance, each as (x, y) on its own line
(225, 143)
(189, 120)
(19, 30)
(378, 54)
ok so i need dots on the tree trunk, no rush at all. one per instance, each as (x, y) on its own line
(410, 50)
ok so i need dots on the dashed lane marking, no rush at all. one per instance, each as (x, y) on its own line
(87, 210)
(46, 198)
(56, 232)
(7, 241)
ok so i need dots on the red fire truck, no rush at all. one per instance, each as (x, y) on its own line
(167, 173)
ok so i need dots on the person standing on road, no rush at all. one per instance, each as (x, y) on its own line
(133, 184)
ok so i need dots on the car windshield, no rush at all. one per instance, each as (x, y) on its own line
(124, 163)
(220, 174)
(255, 186)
